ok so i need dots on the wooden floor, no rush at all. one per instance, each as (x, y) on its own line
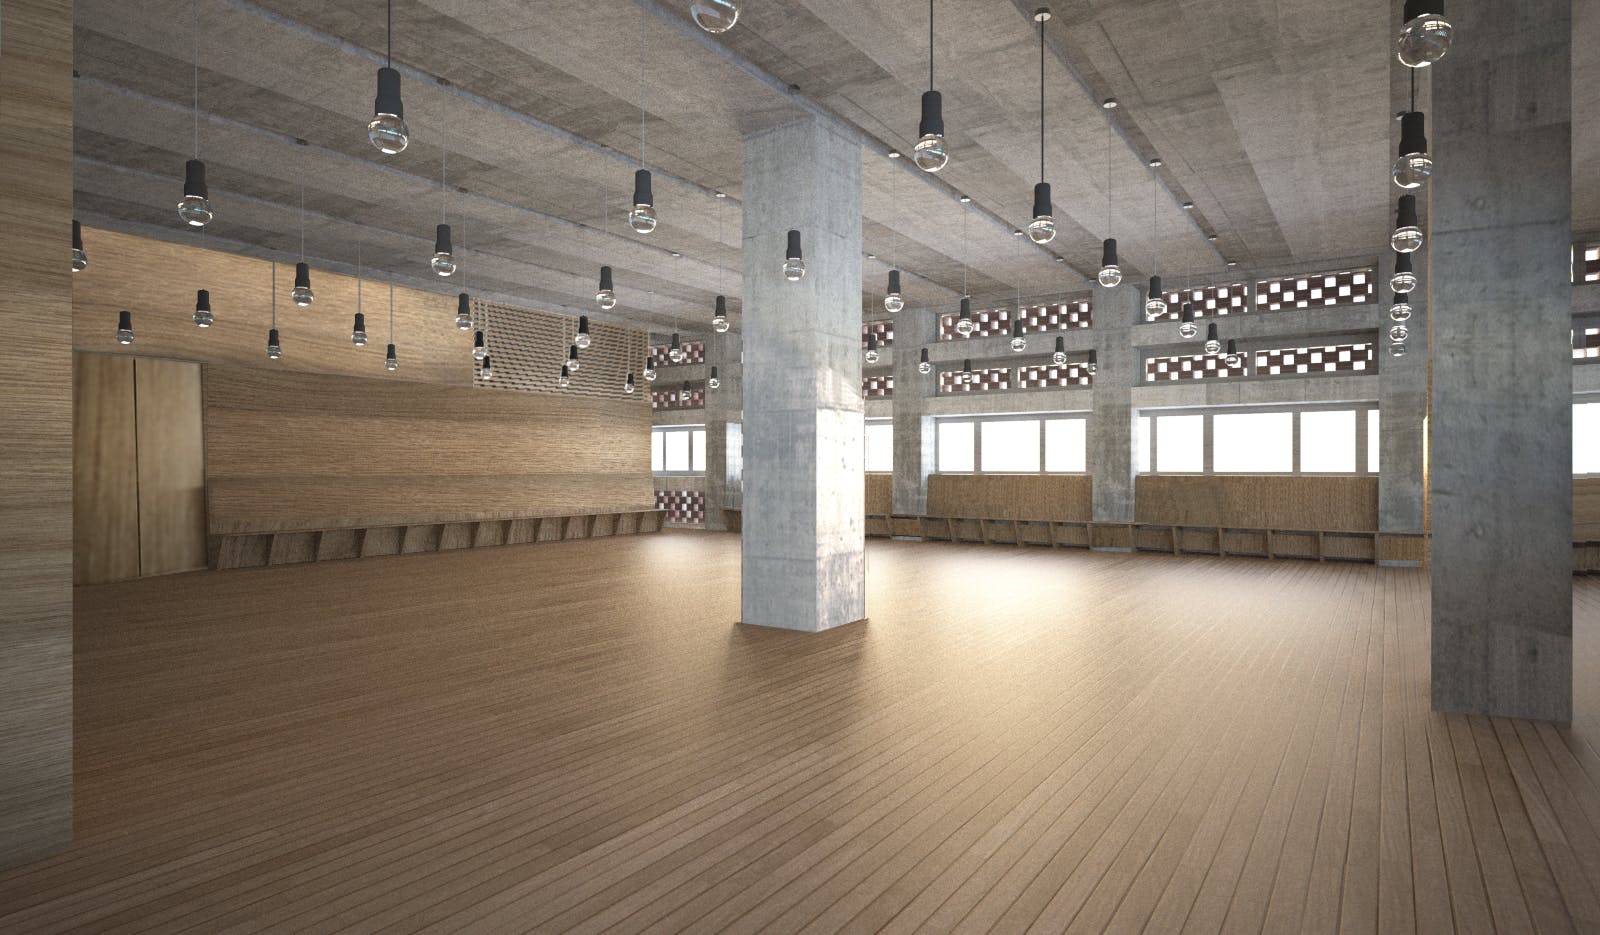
(578, 737)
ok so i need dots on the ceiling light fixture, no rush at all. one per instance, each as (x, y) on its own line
(1042, 229)
(1212, 345)
(1155, 302)
(195, 206)
(675, 349)
(202, 309)
(794, 267)
(931, 153)
(872, 347)
(719, 315)
(274, 345)
(358, 334)
(1426, 35)
(1407, 236)
(391, 361)
(893, 301)
(1401, 309)
(628, 386)
(650, 367)
(566, 376)
(480, 348)
(606, 295)
(713, 381)
(464, 312)
(1233, 359)
(1019, 341)
(1109, 103)
(715, 16)
(572, 358)
(583, 340)
(1414, 165)
(1404, 278)
(964, 323)
(1110, 274)
(923, 364)
(642, 216)
(444, 261)
(1187, 329)
(302, 294)
(80, 260)
(1092, 364)
(124, 327)
(486, 368)
(387, 128)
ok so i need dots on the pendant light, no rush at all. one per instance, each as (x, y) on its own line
(302, 294)
(583, 340)
(444, 260)
(628, 386)
(794, 267)
(1110, 274)
(124, 327)
(566, 376)
(1155, 301)
(1397, 349)
(683, 395)
(715, 16)
(358, 334)
(1398, 332)
(1404, 278)
(675, 350)
(606, 295)
(486, 369)
(274, 346)
(719, 316)
(1401, 309)
(1414, 165)
(966, 371)
(893, 301)
(464, 312)
(872, 347)
(642, 216)
(923, 364)
(964, 323)
(572, 358)
(391, 362)
(930, 153)
(712, 381)
(387, 128)
(1092, 365)
(195, 206)
(1232, 359)
(649, 368)
(1407, 236)
(1059, 356)
(1212, 345)
(1042, 229)
(480, 350)
(1187, 329)
(1019, 341)
(202, 309)
(1426, 35)
(80, 260)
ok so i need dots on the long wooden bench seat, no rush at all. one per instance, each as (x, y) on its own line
(248, 549)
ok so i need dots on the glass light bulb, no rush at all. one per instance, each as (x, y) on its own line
(479, 353)
(893, 302)
(1424, 40)
(606, 299)
(1212, 346)
(443, 264)
(566, 381)
(1188, 331)
(1399, 333)
(1232, 361)
(715, 16)
(924, 367)
(302, 296)
(794, 269)
(1397, 349)
(1042, 229)
(202, 318)
(80, 260)
(872, 357)
(274, 351)
(1411, 171)
(628, 387)
(965, 327)
(124, 335)
(583, 340)
(650, 374)
(391, 364)
(930, 153)
(573, 365)
(719, 324)
(642, 219)
(388, 133)
(1019, 344)
(1406, 239)
(486, 371)
(1403, 281)
(1092, 368)
(675, 355)
(463, 321)
(1155, 307)
(1059, 358)
(195, 210)
(1400, 311)
(715, 382)
(1110, 276)
(358, 338)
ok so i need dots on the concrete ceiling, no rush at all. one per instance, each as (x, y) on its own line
(1272, 117)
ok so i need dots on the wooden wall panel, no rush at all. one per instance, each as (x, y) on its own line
(35, 430)
(1259, 501)
(1586, 509)
(105, 477)
(880, 494)
(298, 451)
(172, 499)
(1058, 497)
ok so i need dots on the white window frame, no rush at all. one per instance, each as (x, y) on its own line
(869, 423)
(977, 438)
(1362, 439)
(665, 430)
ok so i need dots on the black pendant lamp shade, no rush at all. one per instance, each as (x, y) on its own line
(793, 252)
(924, 358)
(302, 284)
(932, 123)
(1041, 200)
(1413, 133)
(358, 333)
(202, 308)
(1108, 252)
(477, 343)
(1061, 344)
(194, 179)
(124, 327)
(463, 311)
(583, 339)
(1155, 289)
(1187, 315)
(642, 194)
(441, 239)
(80, 260)
(966, 370)
(966, 308)
(894, 282)
(572, 357)
(1406, 213)
(606, 284)
(388, 99)
(1093, 362)
(274, 346)
(387, 130)
(390, 360)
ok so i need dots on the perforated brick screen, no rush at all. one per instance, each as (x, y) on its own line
(1347, 287)
(676, 397)
(686, 507)
(1059, 316)
(883, 329)
(1192, 367)
(1045, 376)
(877, 386)
(694, 352)
(984, 380)
(987, 322)
(1209, 302)
(1330, 358)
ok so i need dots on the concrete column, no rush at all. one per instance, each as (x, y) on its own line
(804, 541)
(723, 415)
(1501, 465)
(1112, 427)
(913, 425)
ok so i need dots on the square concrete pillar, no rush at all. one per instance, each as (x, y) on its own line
(723, 412)
(1501, 457)
(804, 544)
(913, 426)
(1112, 427)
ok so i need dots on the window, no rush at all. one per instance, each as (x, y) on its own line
(880, 445)
(1586, 438)
(1181, 444)
(1142, 453)
(1372, 441)
(956, 448)
(1066, 445)
(1253, 443)
(678, 449)
(1011, 446)
(1328, 442)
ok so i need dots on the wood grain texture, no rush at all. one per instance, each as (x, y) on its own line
(1586, 509)
(172, 499)
(1102, 745)
(35, 429)
(879, 494)
(1308, 502)
(105, 470)
(302, 451)
(1060, 497)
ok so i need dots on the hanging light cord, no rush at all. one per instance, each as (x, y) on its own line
(966, 251)
(302, 210)
(1413, 88)
(930, 45)
(274, 293)
(1155, 224)
(196, 9)
(1041, 100)
(388, 52)
(642, 45)
(391, 313)
(444, 188)
(358, 276)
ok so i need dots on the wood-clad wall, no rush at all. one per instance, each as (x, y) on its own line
(138, 482)
(1257, 501)
(879, 494)
(1586, 509)
(35, 429)
(304, 451)
(156, 281)
(1057, 497)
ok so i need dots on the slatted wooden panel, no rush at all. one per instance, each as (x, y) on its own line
(1586, 509)
(172, 498)
(879, 493)
(528, 347)
(303, 451)
(1260, 501)
(105, 474)
(156, 281)
(1059, 497)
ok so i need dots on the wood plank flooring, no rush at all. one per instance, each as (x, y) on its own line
(578, 737)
